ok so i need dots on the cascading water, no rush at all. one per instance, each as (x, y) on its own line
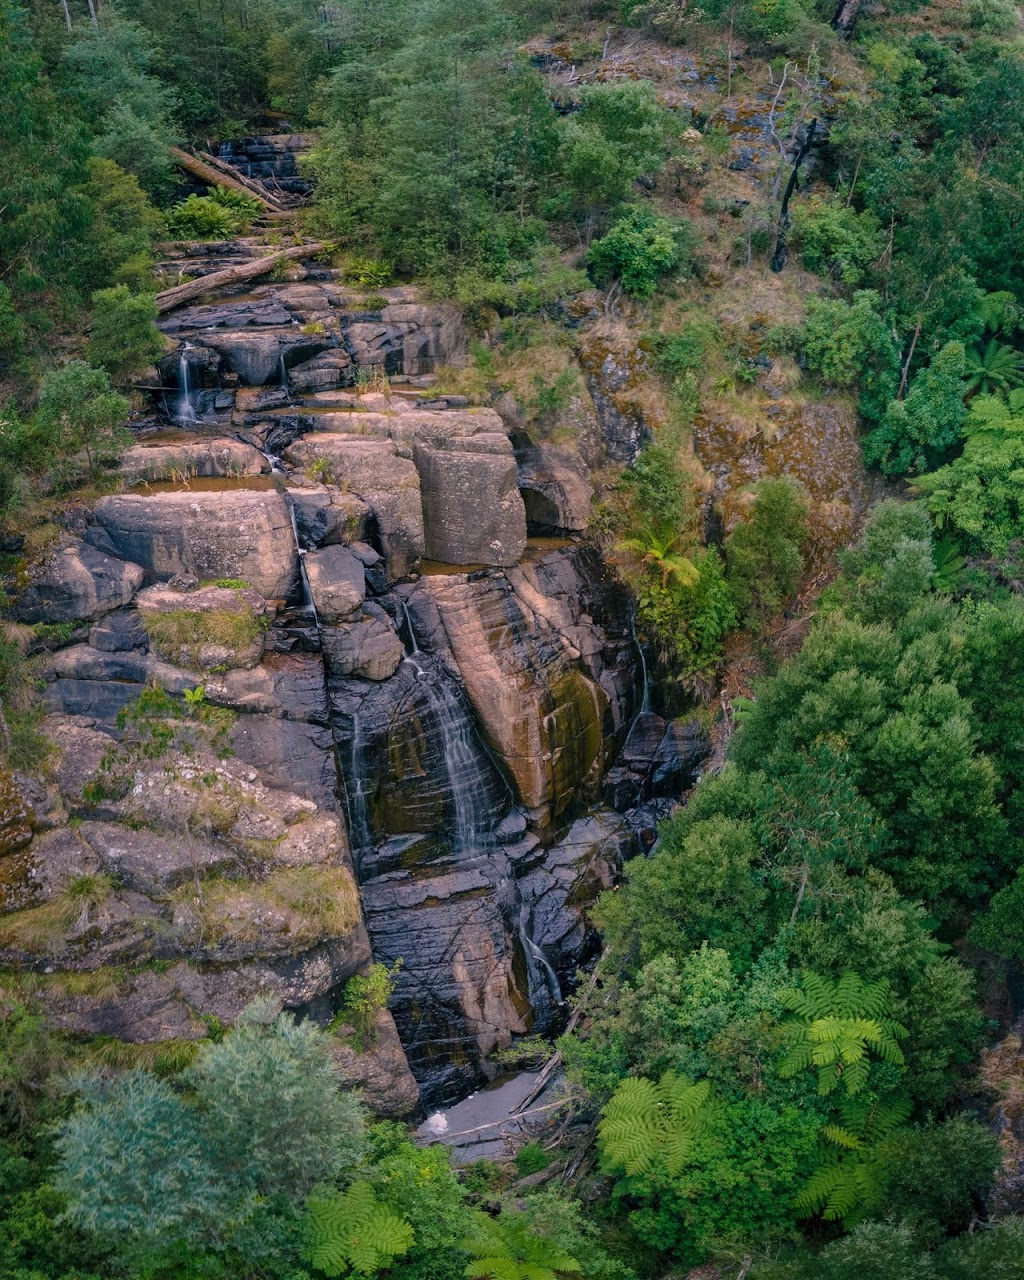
(465, 761)
(359, 818)
(545, 990)
(282, 370)
(645, 701)
(185, 410)
(308, 605)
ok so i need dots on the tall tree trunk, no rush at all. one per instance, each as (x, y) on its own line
(92, 14)
(67, 12)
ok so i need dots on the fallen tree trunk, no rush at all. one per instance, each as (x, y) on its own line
(258, 189)
(233, 275)
(205, 173)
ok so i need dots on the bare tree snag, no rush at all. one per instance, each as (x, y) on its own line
(201, 170)
(258, 189)
(67, 13)
(845, 17)
(171, 298)
(779, 256)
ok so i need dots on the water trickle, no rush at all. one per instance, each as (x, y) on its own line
(358, 817)
(465, 761)
(282, 370)
(645, 701)
(185, 410)
(308, 605)
(412, 647)
(545, 989)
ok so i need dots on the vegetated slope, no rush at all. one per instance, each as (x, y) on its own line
(786, 1023)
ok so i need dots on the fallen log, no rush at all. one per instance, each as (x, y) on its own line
(171, 298)
(205, 173)
(258, 189)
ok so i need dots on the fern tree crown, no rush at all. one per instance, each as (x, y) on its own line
(646, 1122)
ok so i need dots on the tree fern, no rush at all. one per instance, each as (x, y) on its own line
(997, 368)
(354, 1232)
(646, 1122)
(835, 1025)
(505, 1248)
(849, 1182)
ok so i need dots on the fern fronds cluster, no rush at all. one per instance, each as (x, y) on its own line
(645, 1122)
(505, 1248)
(354, 1232)
(849, 1183)
(835, 1025)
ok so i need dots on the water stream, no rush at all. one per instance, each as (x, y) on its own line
(545, 989)
(308, 606)
(469, 779)
(185, 410)
(645, 702)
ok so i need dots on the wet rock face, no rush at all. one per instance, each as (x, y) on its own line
(198, 458)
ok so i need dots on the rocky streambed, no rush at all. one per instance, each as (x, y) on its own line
(320, 693)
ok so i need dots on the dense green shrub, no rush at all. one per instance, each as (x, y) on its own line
(763, 553)
(124, 335)
(636, 251)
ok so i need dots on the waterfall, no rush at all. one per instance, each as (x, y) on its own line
(308, 604)
(545, 989)
(645, 702)
(283, 372)
(358, 818)
(465, 765)
(185, 409)
(412, 647)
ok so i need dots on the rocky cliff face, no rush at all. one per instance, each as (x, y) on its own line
(325, 701)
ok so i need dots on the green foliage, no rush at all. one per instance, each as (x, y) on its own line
(618, 134)
(837, 240)
(365, 996)
(124, 336)
(763, 554)
(203, 218)
(851, 345)
(636, 250)
(646, 1123)
(257, 1122)
(977, 496)
(79, 414)
(994, 369)
(835, 1025)
(918, 432)
(131, 111)
(505, 1248)
(353, 1233)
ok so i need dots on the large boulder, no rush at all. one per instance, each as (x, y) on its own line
(367, 647)
(555, 489)
(77, 582)
(192, 458)
(387, 483)
(472, 509)
(208, 629)
(337, 582)
(237, 533)
(257, 357)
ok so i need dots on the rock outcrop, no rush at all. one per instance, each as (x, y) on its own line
(235, 533)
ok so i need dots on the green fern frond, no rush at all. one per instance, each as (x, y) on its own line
(646, 1122)
(841, 1137)
(354, 1231)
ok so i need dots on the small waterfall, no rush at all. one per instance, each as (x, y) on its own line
(308, 605)
(412, 647)
(465, 765)
(358, 818)
(282, 370)
(185, 410)
(545, 989)
(645, 702)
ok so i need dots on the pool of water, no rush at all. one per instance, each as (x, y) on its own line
(482, 1127)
